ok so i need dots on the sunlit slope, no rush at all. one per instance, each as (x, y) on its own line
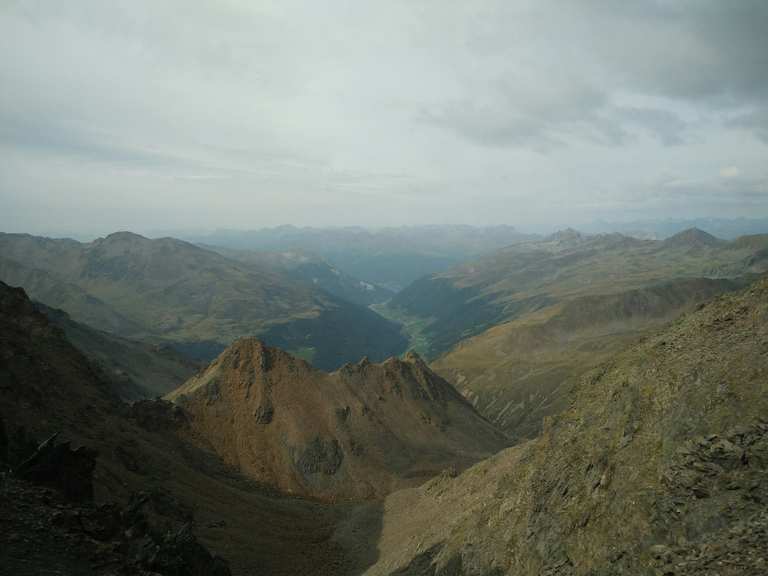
(519, 372)
(359, 432)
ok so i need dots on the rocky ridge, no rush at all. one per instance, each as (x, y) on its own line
(359, 432)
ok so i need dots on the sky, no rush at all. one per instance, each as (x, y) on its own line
(173, 115)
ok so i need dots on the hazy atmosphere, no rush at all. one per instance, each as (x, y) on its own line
(384, 287)
(177, 115)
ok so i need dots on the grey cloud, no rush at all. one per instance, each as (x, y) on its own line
(663, 124)
(755, 121)
(700, 52)
(39, 133)
(250, 114)
(524, 117)
(709, 49)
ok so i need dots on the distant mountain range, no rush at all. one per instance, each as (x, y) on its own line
(388, 257)
(515, 330)
(726, 228)
(171, 291)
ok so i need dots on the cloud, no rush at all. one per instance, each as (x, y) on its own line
(729, 172)
(754, 121)
(704, 53)
(520, 114)
(256, 114)
(664, 125)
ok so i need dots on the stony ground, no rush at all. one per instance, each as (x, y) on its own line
(659, 466)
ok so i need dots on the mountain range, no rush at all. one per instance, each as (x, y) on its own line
(388, 257)
(528, 277)
(575, 405)
(163, 467)
(515, 330)
(199, 301)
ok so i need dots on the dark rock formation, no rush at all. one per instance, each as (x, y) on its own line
(59, 466)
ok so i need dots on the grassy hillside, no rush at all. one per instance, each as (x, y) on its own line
(524, 278)
(519, 372)
(194, 298)
(307, 268)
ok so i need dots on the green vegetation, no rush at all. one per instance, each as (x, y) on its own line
(519, 372)
(305, 353)
(527, 277)
(190, 297)
(413, 327)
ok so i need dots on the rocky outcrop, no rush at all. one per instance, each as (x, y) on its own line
(58, 465)
(359, 432)
(45, 533)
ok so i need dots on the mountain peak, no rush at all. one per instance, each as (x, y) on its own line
(566, 235)
(338, 434)
(253, 355)
(694, 237)
(124, 236)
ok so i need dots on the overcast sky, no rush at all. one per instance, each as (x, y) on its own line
(151, 114)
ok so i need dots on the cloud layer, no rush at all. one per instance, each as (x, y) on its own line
(171, 115)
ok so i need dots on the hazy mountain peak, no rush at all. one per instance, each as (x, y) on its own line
(693, 237)
(566, 235)
(252, 355)
(124, 236)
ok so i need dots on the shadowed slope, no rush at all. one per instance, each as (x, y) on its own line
(137, 369)
(47, 386)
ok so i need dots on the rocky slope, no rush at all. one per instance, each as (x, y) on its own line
(359, 432)
(659, 466)
(196, 299)
(519, 372)
(137, 369)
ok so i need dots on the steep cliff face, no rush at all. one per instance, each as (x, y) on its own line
(659, 466)
(359, 432)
